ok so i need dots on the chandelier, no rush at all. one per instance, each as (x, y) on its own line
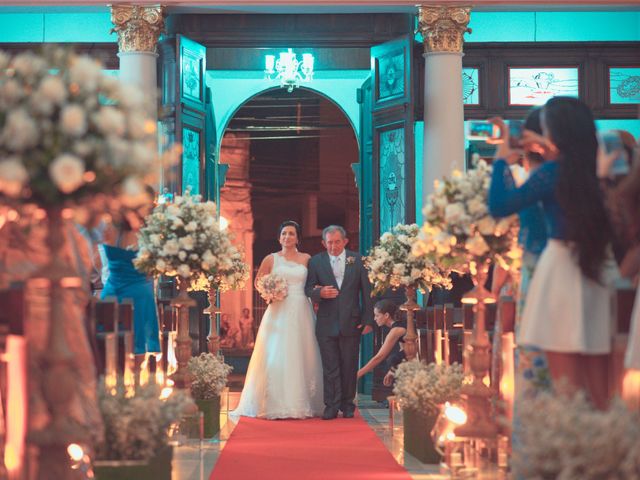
(288, 69)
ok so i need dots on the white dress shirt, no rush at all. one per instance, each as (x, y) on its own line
(337, 265)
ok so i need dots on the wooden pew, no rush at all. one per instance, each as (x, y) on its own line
(106, 325)
(126, 360)
(623, 307)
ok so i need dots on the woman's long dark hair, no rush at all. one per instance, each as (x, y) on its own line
(571, 127)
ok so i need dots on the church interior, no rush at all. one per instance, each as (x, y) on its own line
(479, 161)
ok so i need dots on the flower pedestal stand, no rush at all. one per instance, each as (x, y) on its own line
(213, 339)
(411, 338)
(417, 426)
(183, 302)
(156, 468)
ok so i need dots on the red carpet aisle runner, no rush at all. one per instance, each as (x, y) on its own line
(315, 449)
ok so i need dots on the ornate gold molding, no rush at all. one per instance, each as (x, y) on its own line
(443, 27)
(138, 26)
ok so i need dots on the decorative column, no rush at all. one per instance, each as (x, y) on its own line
(442, 28)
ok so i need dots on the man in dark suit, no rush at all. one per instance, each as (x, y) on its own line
(337, 281)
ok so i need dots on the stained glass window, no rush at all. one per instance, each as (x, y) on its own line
(191, 161)
(624, 85)
(470, 86)
(391, 75)
(534, 86)
(392, 179)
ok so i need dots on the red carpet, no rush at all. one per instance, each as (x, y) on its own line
(341, 449)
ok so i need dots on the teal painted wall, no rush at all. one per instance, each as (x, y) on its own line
(56, 27)
(231, 88)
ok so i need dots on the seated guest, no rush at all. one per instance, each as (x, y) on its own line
(567, 311)
(384, 314)
(124, 281)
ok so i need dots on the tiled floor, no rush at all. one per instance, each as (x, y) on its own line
(194, 460)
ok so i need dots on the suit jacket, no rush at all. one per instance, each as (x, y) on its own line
(352, 307)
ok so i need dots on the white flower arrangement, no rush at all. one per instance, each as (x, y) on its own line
(68, 132)
(425, 387)
(392, 264)
(458, 229)
(565, 437)
(183, 238)
(272, 288)
(209, 374)
(136, 426)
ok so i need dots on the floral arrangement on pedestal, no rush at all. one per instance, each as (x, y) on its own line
(392, 264)
(70, 134)
(458, 229)
(184, 239)
(137, 425)
(563, 436)
(209, 378)
(272, 288)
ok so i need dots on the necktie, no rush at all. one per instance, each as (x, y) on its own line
(337, 271)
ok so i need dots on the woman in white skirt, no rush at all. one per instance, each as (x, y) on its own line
(567, 312)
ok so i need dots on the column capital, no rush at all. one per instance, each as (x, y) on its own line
(138, 27)
(443, 27)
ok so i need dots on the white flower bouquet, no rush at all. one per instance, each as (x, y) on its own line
(392, 264)
(136, 426)
(565, 437)
(69, 133)
(209, 374)
(272, 288)
(425, 387)
(458, 229)
(183, 238)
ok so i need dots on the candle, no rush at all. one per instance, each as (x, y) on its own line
(502, 460)
(456, 459)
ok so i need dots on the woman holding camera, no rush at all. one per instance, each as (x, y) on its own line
(567, 311)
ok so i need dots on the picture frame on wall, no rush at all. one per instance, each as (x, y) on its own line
(532, 86)
(623, 85)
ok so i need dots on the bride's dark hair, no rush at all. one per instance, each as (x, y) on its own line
(291, 223)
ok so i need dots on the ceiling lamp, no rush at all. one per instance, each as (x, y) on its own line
(288, 69)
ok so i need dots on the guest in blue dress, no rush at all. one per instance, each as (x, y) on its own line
(567, 310)
(124, 281)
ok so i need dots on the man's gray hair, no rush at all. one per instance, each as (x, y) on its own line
(333, 228)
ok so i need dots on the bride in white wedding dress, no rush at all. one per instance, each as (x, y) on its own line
(284, 378)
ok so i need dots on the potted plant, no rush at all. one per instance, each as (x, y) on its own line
(421, 389)
(209, 377)
(136, 441)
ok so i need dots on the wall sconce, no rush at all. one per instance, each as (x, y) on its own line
(288, 69)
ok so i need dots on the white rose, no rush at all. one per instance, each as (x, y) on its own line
(454, 212)
(161, 266)
(191, 226)
(187, 242)
(182, 255)
(53, 89)
(477, 207)
(386, 237)
(173, 210)
(154, 238)
(171, 247)
(28, 64)
(11, 91)
(13, 176)
(208, 257)
(193, 256)
(73, 120)
(67, 171)
(486, 225)
(110, 121)
(86, 73)
(20, 131)
(177, 223)
(184, 271)
(476, 246)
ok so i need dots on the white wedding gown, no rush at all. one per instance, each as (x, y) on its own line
(284, 378)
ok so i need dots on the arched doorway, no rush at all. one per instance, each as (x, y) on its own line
(289, 157)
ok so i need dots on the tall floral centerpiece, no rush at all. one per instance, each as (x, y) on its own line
(422, 389)
(460, 232)
(184, 239)
(136, 432)
(71, 138)
(209, 373)
(393, 265)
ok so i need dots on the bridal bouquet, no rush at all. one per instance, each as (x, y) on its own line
(458, 229)
(565, 437)
(392, 264)
(183, 238)
(272, 288)
(425, 387)
(69, 134)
